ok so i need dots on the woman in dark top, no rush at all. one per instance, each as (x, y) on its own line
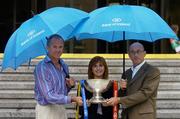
(98, 70)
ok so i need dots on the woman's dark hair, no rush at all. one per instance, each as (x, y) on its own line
(95, 60)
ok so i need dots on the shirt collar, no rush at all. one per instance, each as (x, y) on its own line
(47, 59)
(138, 66)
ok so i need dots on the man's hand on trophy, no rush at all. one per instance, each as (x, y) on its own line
(70, 82)
(78, 100)
(104, 103)
(113, 101)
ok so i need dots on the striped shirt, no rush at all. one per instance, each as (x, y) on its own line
(50, 85)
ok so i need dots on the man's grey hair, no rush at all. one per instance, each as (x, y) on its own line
(54, 36)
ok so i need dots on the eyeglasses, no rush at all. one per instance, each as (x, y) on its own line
(136, 52)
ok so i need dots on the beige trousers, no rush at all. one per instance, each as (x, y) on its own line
(50, 112)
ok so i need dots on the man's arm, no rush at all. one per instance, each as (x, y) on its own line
(46, 87)
(150, 85)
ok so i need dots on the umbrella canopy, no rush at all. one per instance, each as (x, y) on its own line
(124, 22)
(138, 22)
(29, 41)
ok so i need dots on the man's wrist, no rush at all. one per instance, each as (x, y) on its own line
(73, 99)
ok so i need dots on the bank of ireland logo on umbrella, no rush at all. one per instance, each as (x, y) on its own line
(31, 35)
(116, 22)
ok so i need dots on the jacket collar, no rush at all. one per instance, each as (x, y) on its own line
(138, 74)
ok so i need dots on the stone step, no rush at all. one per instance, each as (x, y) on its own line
(22, 94)
(168, 104)
(17, 113)
(168, 114)
(111, 62)
(25, 104)
(25, 113)
(30, 114)
(16, 94)
(4, 85)
(83, 70)
(12, 77)
(17, 103)
(19, 85)
(29, 94)
(30, 104)
(171, 95)
(169, 86)
(18, 118)
(16, 87)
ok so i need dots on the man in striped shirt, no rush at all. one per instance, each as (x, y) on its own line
(52, 82)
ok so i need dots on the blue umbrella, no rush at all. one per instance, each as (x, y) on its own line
(29, 41)
(138, 22)
(124, 22)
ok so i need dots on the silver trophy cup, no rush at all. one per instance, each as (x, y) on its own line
(97, 86)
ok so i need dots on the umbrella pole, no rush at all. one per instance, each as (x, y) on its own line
(29, 63)
(124, 2)
(124, 43)
(124, 74)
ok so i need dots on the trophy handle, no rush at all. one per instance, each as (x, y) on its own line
(87, 86)
(108, 86)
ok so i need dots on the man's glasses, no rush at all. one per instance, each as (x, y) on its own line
(136, 52)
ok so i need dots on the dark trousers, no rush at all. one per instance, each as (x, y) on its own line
(99, 116)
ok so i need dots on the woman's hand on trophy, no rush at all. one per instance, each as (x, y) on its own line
(113, 101)
(88, 103)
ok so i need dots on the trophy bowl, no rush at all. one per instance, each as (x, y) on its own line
(97, 86)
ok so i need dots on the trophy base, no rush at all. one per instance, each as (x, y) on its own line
(96, 100)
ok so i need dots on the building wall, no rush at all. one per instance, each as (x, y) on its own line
(18, 11)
